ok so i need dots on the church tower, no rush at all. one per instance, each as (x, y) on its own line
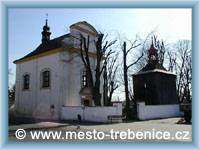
(155, 89)
(152, 55)
(46, 33)
(153, 84)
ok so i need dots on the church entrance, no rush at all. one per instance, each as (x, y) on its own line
(86, 102)
(86, 96)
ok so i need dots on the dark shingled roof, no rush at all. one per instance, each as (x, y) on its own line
(150, 66)
(45, 47)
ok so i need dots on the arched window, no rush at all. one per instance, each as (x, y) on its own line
(46, 79)
(26, 81)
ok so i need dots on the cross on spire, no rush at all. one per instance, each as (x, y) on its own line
(46, 19)
(46, 15)
(152, 42)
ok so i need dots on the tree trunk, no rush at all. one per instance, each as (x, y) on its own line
(105, 88)
(97, 97)
(126, 82)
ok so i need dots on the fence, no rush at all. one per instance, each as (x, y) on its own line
(157, 111)
(94, 114)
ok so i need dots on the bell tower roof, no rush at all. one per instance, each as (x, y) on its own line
(46, 31)
(152, 54)
(153, 60)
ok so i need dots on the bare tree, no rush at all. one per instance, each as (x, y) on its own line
(172, 61)
(126, 67)
(110, 81)
(159, 45)
(180, 62)
(11, 89)
(11, 95)
(103, 51)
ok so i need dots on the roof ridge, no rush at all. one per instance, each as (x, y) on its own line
(44, 47)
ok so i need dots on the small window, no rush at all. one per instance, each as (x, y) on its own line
(46, 79)
(84, 79)
(26, 81)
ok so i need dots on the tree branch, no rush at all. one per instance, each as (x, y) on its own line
(135, 62)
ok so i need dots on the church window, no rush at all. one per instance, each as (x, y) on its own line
(46, 79)
(26, 81)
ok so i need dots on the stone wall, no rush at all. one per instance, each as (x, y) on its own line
(94, 114)
(145, 112)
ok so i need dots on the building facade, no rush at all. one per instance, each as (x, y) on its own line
(52, 76)
(155, 90)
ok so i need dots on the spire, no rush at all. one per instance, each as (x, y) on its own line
(46, 20)
(46, 31)
(152, 45)
(153, 53)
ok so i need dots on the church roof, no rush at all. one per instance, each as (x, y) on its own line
(150, 66)
(153, 62)
(153, 65)
(45, 47)
(153, 71)
(48, 45)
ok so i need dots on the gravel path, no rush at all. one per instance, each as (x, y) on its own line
(162, 125)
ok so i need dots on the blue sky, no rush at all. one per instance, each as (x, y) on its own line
(25, 25)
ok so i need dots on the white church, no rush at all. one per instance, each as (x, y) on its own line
(49, 79)
(51, 82)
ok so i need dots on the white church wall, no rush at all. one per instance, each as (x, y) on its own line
(48, 97)
(65, 84)
(77, 67)
(76, 33)
(86, 27)
(24, 98)
(65, 77)
(146, 112)
(74, 86)
(95, 114)
(36, 101)
(64, 88)
(72, 69)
